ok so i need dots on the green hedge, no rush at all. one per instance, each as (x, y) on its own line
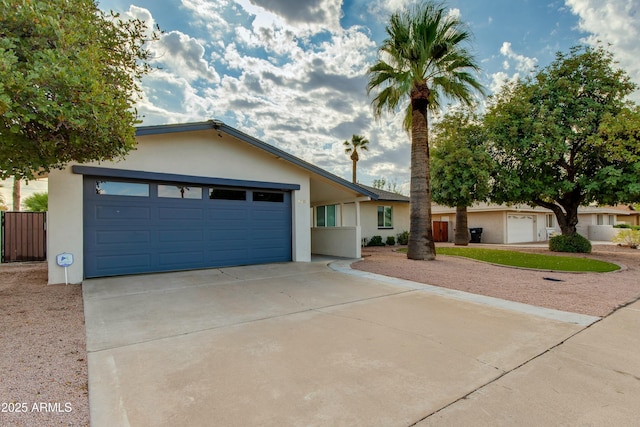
(633, 227)
(575, 243)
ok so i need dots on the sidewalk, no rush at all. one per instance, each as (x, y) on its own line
(591, 379)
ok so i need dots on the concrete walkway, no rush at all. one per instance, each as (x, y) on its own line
(303, 344)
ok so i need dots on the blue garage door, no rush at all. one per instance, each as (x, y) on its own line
(141, 227)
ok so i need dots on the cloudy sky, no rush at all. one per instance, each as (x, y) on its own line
(293, 72)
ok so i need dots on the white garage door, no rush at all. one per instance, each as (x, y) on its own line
(520, 228)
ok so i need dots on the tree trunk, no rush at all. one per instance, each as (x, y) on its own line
(354, 159)
(566, 215)
(16, 194)
(461, 236)
(421, 245)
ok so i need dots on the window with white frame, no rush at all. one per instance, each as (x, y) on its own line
(600, 219)
(551, 221)
(385, 217)
(326, 216)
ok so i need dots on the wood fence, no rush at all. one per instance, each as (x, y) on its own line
(24, 236)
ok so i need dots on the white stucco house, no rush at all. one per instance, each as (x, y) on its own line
(199, 195)
(385, 215)
(502, 224)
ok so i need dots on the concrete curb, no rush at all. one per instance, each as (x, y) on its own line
(344, 266)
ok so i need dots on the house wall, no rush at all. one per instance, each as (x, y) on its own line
(369, 219)
(201, 153)
(493, 224)
(336, 241)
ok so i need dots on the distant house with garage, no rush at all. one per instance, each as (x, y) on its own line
(504, 224)
(200, 195)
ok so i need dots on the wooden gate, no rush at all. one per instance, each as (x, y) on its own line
(440, 231)
(24, 236)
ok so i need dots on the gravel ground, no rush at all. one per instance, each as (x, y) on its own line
(43, 352)
(44, 361)
(596, 294)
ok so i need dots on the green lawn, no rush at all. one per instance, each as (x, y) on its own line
(528, 260)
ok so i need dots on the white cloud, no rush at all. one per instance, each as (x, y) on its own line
(616, 23)
(524, 64)
(300, 16)
(184, 56)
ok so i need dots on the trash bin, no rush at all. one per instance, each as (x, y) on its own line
(476, 234)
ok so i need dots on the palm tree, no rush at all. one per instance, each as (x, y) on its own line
(422, 60)
(351, 147)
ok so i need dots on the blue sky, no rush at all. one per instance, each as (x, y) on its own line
(293, 72)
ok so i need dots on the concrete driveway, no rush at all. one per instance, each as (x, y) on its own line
(303, 344)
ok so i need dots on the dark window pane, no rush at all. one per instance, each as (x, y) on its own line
(117, 188)
(320, 216)
(263, 196)
(331, 216)
(226, 194)
(179, 192)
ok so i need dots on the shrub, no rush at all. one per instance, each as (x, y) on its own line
(629, 238)
(391, 241)
(403, 238)
(633, 227)
(574, 243)
(375, 241)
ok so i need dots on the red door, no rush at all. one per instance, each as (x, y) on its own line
(440, 231)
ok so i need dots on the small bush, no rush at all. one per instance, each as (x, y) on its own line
(629, 238)
(403, 238)
(574, 243)
(375, 241)
(633, 227)
(391, 241)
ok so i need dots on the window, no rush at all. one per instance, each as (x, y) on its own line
(600, 219)
(119, 188)
(551, 221)
(264, 196)
(612, 220)
(326, 216)
(385, 217)
(227, 194)
(179, 192)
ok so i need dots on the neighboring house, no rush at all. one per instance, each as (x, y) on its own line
(198, 195)
(386, 216)
(523, 224)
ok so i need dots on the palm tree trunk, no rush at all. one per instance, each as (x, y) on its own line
(421, 245)
(16, 194)
(461, 236)
(354, 158)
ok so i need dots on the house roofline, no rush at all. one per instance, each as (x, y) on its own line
(222, 127)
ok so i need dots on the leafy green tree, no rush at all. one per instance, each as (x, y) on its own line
(37, 202)
(567, 137)
(69, 77)
(351, 147)
(460, 166)
(423, 61)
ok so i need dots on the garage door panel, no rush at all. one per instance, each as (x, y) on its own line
(179, 214)
(125, 262)
(174, 259)
(217, 214)
(120, 237)
(126, 235)
(180, 236)
(122, 212)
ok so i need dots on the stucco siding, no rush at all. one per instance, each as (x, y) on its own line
(369, 218)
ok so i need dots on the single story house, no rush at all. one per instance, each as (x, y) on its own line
(199, 195)
(504, 224)
(387, 216)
